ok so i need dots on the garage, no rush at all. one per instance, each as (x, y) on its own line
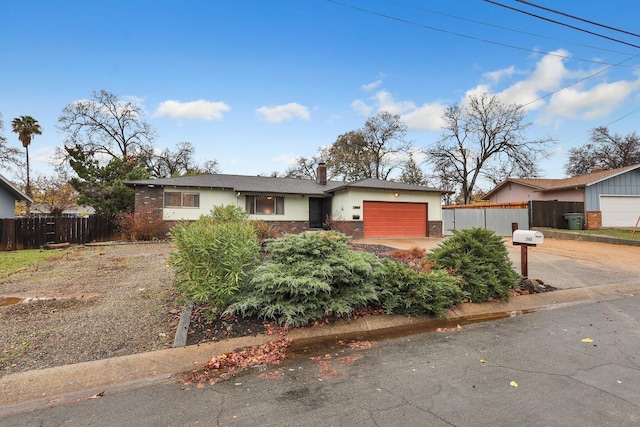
(619, 211)
(395, 219)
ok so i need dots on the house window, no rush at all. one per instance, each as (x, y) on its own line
(179, 199)
(265, 205)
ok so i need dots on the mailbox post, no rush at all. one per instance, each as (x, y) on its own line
(524, 239)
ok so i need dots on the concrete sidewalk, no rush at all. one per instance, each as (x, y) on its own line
(40, 387)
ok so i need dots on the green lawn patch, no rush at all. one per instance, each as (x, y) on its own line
(14, 261)
(612, 232)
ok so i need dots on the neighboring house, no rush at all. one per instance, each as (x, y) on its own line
(38, 209)
(9, 195)
(611, 197)
(369, 208)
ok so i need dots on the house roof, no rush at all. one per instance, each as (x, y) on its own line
(379, 184)
(13, 190)
(580, 181)
(262, 184)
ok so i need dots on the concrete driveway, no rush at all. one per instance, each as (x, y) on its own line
(560, 263)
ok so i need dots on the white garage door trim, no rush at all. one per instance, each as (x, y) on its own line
(619, 211)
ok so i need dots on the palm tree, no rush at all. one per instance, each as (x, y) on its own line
(26, 127)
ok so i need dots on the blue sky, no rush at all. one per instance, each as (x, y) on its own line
(255, 84)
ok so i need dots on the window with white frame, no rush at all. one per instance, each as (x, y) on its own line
(265, 205)
(181, 199)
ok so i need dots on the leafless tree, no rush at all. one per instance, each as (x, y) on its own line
(481, 136)
(374, 151)
(606, 150)
(9, 155)
(106, 127)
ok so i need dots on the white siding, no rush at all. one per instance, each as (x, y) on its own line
(349, 202)
(296, 208)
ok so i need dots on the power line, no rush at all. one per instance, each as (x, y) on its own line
(618, 64)
(579, 19)
(581, 80)
(623, 117)
(406, 21)
(501, 27)
(561, 23)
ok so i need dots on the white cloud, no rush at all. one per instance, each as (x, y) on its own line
(548, 75)
(589, 104)
(427, 116)
(496, 76)
(286, 158)
(361, 107)
(583, 101)
(194, 110)
(283, 113)
(371, 86)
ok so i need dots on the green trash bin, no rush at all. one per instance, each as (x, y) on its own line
(575, 220)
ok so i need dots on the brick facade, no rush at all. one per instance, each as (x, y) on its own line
(289, 227)
(149, 203)
(594, 220)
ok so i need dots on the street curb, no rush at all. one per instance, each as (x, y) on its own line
(41, 387)
(182, 331)
(598, 238)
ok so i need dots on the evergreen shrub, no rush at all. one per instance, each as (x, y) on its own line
(309, 276)
(405, 290)
(215, 256)
(481, 259)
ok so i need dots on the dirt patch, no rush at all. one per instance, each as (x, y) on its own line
(87, 304)
(622, 257)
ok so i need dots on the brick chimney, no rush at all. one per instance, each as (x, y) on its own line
(321, 174)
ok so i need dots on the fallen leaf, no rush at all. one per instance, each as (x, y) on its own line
(587, 340)
(483, 361)
(271, 375)
(359, 345)
(513, 384)
(326, 371)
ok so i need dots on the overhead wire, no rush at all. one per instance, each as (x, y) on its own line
(548, 9)
(430, 27)
(580, 80)
(561, 23)
(500, 27)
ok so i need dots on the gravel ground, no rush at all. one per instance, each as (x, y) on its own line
(95, 302)
(88, 303)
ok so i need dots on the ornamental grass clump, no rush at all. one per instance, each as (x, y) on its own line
(309, 276)
(481, 259)
(215, 256)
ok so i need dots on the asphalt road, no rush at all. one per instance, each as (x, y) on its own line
(572, 366)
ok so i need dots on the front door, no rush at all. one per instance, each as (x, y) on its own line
(319, 208)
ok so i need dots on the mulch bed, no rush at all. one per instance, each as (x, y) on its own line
(207, 327)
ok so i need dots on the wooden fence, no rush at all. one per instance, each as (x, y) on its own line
(33, 233)
(550, 213)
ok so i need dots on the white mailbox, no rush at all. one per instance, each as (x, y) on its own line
(528, 237)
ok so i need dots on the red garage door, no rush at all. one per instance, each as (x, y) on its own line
(395, 219)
